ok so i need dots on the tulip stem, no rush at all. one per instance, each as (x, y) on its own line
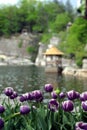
(28, 123)
(12, 116)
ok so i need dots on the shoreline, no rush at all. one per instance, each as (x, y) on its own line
(75, 72)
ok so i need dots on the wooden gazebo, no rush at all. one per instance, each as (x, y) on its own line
(53, 58)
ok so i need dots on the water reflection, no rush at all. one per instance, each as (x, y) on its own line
(71, 82)
(28, 78)
(21, 78)
(54, 79)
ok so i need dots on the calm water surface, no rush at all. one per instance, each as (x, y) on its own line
(27, 78)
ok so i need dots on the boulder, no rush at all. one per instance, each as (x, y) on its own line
(69, 71)
(81, 73)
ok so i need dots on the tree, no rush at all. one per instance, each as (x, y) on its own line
(9, 20)
(83, 8)
(35, 16)
(69, 9)
(41, 22)
(61, 22)
(76, 39)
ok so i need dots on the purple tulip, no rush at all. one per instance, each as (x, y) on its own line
(24, 109)
(54, 95)
(24, 97)
(1, 123)
(67, 105)
(2, 109)
(81, 126)
(62, 95)
(14, 95)
(31, 96)
(53, 105)
(84, 105)
(8, 91)
(72, 95)
(37, 95)
(48, 87)
(83, 96)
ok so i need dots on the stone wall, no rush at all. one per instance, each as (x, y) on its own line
(10, 46)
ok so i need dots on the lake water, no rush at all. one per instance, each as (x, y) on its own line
(27, 78)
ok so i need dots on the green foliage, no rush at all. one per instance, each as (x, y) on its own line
(34, 15)
(83, 8)
(45, 37)
(79, 29)
(33, 52)
(41, 117)
(61, 22)
(79, 62)
(30, 49)
(70, 11)
(9, 20)
(76, 39)
(20, 43)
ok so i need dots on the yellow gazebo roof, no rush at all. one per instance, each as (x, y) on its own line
(53, 51)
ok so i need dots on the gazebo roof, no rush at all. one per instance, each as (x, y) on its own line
(53, 51)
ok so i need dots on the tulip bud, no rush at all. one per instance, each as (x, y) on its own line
(62, 95)
(84, 105)
(67, 106)
(83, 96)
(24, 109)
(1, 123)
(54, 95)
(14, 95)
(2, 109)
(48, 88)
(38, 95)
(81, 126)
(8, 91)
(72, 95)
(53, 105)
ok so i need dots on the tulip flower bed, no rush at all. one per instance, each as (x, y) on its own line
(30, 111)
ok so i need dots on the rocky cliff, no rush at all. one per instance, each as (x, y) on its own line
(17, 45)
(15, 48)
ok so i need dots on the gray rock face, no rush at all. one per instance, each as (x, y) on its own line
(13, 50)
(84, 64)
(54, 41)
(10, 46)
(40, 60)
